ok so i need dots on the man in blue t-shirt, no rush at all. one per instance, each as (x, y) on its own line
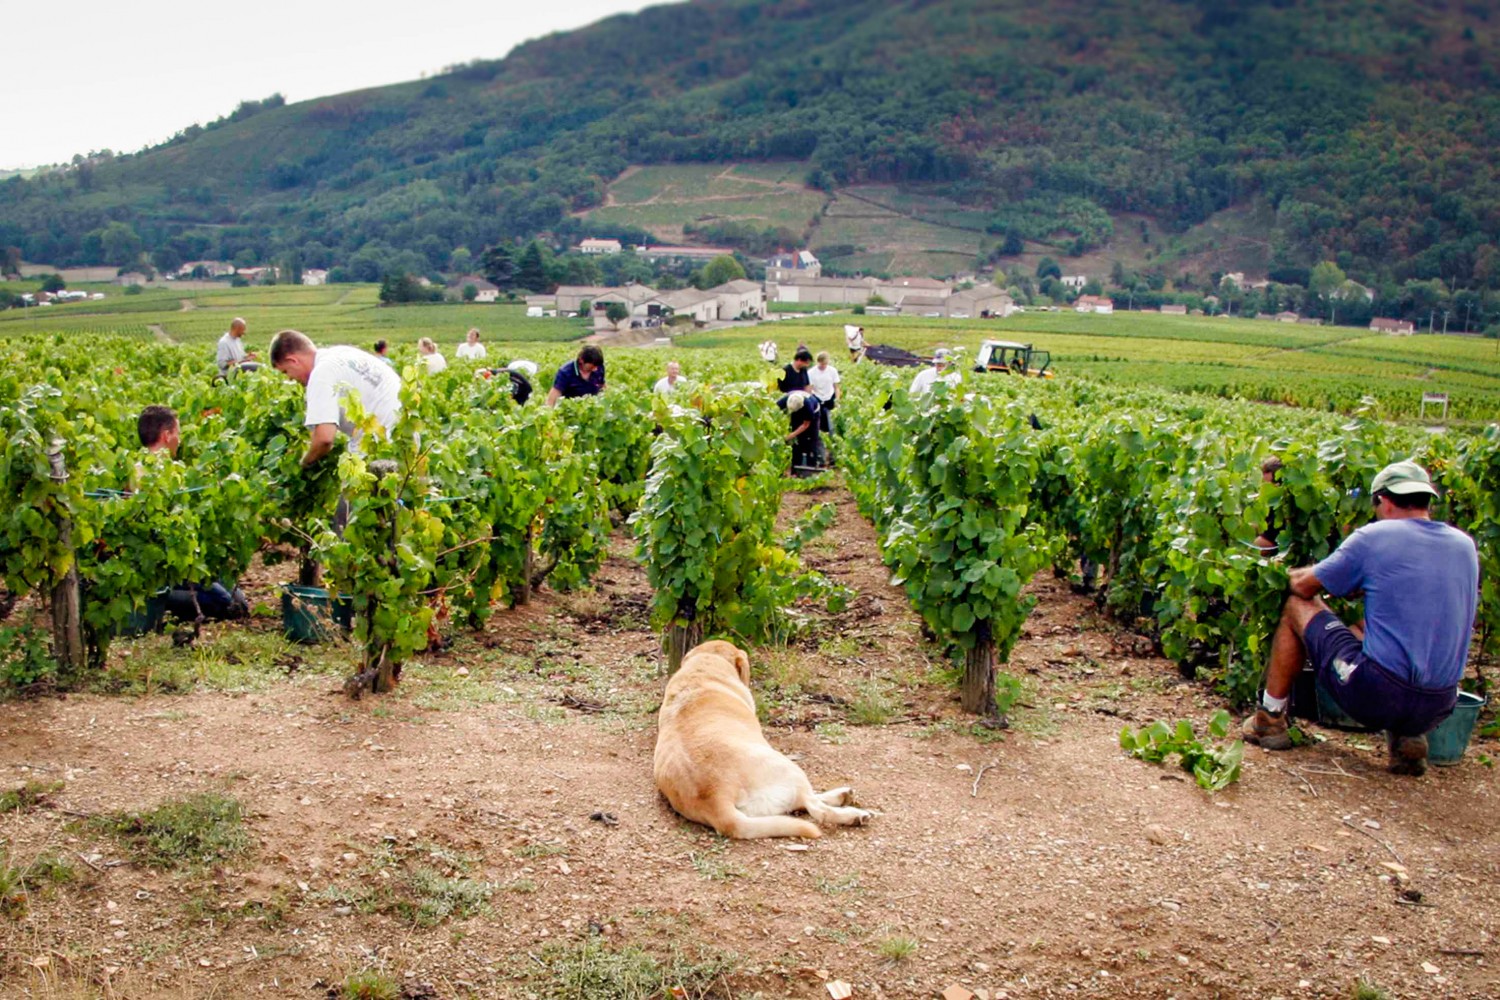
(1399, 669)
(583, 376)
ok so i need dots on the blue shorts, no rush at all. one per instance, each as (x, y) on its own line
(1367, 691)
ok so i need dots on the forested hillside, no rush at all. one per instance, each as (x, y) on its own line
(1367, 126)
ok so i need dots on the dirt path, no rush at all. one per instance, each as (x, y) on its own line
(160, 333)
(1041, 862)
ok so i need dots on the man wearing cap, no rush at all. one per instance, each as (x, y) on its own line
(942, 367)
(802, 410)
(1399, 670)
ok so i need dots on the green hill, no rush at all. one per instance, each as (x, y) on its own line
(1363, 129)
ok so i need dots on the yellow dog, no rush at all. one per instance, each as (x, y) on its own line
(715, 767)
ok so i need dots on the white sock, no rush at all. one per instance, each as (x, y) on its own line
(1274, 704)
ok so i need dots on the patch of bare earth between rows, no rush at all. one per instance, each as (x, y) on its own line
(1038, 862)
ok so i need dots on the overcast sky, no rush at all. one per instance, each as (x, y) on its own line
(99, 74)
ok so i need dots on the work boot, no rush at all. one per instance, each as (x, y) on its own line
(1408, 754)
(1267, 728)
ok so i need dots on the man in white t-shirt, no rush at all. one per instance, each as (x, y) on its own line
(942, 368)
(854, 336)
(232, 351)
(331, 374)
(670, 381)
(471, 349)
(768, 351)
(824, 380)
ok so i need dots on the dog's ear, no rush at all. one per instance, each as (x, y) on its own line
(742, 664)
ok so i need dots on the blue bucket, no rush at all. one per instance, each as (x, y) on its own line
(1446, 744)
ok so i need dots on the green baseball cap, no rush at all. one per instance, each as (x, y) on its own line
(1403, 478)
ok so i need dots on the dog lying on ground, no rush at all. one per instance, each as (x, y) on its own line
(715, 767)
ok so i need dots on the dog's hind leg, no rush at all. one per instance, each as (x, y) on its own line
(841, 796)
(828, 815)
(742, 827)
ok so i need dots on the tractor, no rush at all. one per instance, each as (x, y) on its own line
(1017, 359)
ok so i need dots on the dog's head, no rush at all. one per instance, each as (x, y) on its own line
(729, 652)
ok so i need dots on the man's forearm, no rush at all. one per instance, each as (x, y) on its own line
(315, 452)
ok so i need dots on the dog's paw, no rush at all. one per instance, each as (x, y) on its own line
(861, 817)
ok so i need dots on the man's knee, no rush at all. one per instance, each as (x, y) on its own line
(1298, 611)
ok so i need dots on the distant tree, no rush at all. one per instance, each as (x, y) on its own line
(460, 261)
(1093, 287)
(244, 258)
(531, 271)
(615, 312)
(1013, 244)
(166, 260)
(1048, 268)
(120, 244)
(10, 260)
(720, 270)
(585, 307)
(53, 283)
(1078, 247)
(1325, 281)
(498, 264)
(132, 289)
(398, 288)
(471, 292)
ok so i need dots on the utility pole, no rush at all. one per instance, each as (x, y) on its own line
(1445, 322)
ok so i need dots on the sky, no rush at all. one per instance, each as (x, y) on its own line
(122, 76)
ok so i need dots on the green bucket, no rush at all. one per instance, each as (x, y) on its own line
(145, 619)
(307, 615)
(1446, 744)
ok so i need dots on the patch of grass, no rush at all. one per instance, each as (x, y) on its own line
(521, 885)
(421, 886)
(839, 885)
(235, 659)
(833, 732)
(592, 969)
(1366, 990)
(898, 948)
(369, 985)
(839, 647)
(18, 883)
(28, 796)
(875, 704)
(543, 849)
(201, 829)
(714, 866)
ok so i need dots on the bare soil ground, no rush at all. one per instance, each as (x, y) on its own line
(1038, 862)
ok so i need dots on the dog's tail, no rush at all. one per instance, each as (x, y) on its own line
(741, 827)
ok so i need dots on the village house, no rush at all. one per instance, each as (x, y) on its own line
(1394, 327)
(918, 304)
(131, 278)
(1287, 317)
(699, 306)
(1173, 309)
(314, 276)
(823, 291)
(592, 245)
(793, 266)
(741, 298)
(1236, 278)
(643, 301)
(1309, 321)
(571, 298)
(205, 269)
(487, 290)
(1074, 281)
(981, 300)
(1094, 304)
(895, 289)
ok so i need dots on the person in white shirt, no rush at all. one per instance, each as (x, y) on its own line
(434, 361)
(942, 368)
(471, 349)
(330, 375)
(768, 351)
(854, 336)
(670, 381)
(232, 353)
(825, 382)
